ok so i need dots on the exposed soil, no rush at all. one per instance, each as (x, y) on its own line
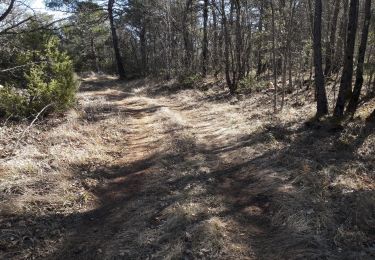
(147, 170)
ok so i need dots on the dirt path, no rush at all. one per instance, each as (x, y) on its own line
(177, 189)
(160, 172)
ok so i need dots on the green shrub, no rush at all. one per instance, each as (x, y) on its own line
(50, 82)
(250, 83)
(189, 80)
(13, 104)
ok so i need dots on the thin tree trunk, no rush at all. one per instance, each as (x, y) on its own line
(352, 107)
(368, 90)
(371, 71)
(94, 54)
(120, 66)
(247, 62)
(169, 41)
(322, 104)
(290, 68)
(345, 89)
(142, 39)
(310, 14)
(186, 35)
(215, 39)
(289, 43)
(260, 29)
(326, 26)
(284, 71)
(240, 73)
(226, 49)
(205, 39)
(332, 38)
(341, 43)
(274, 56)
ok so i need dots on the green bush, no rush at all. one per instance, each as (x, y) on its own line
(50, 82)
(250, 83)
(190, 80)
(12, 103)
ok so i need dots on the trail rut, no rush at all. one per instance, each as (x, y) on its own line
(173, 192)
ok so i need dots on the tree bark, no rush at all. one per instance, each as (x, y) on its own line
(94, 54)
(322, 104)
(332, 38)
(186, 36)
(143, 49)
(259, 51)
(215, 39)
(240, 71)
(230, 84)
(120, 66)
(341, 42)
(289, 42)
(345, 89)
(205, 39)
(274, 55)
(352, 107)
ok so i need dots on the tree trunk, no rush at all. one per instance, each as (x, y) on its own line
(289, 42)
(94, 54)
(326, 26)
(284, 71)
(205, 39)
(345, 89)
(120, 66)
(240, 72)
(341, 43)
(186, 35)
(231, 87)
(332, 39)
(215, 59)
(260, 29)
(143, 49)
(352, 107)
(274, 55)
(322, 104)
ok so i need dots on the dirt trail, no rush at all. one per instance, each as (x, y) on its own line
(178, 188)
(171, 173)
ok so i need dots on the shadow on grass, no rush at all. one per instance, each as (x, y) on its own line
(280, 203)
(278, 223)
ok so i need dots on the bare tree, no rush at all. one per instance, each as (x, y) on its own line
(229, 81)
(260, 29)
(120, 66)
(186, 36)
(345, 90)
(274, 55)
(352, 107)
(205, 39)
(332, 38)
(322, 104)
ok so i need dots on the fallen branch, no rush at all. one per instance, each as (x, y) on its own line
(20, 66)
(31, 124)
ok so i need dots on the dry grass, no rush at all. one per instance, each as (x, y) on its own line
(147, 170)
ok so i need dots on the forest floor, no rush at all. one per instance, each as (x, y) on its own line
(149, 170)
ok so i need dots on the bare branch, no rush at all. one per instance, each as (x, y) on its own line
(31, 124)
(7, 11)
(16, 25)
